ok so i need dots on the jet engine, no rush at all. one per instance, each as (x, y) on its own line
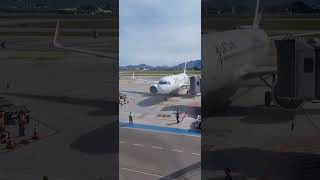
(154, 89)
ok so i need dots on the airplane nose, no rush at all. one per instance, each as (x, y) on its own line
(153, 89)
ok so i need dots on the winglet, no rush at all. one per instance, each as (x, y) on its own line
(185, 67)
(133, 77)
(56, 35)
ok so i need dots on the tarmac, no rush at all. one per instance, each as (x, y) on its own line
(72, 103)
(155, 155)
(157, 109)
(258, 142)
(156, 146)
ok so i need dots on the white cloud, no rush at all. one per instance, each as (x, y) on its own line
(159, 32)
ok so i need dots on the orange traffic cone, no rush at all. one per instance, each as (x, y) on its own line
(35, 134)
(11, 144)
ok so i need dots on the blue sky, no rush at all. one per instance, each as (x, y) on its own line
(159, 32)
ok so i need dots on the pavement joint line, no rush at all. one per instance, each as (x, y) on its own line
(160, 148)
(146, 173)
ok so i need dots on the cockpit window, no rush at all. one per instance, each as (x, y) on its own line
(164, 82)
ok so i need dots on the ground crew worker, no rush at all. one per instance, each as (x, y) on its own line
(22, 123)
(130, 118)
(120, 100)
(177, 116)
(227, 171)
(125, 100)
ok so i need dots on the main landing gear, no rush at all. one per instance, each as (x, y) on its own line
(267, 98)
(268, 94)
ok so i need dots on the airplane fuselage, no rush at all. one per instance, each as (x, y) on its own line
(170, 84)
(228, 55)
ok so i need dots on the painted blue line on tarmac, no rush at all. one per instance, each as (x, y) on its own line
(189, 132)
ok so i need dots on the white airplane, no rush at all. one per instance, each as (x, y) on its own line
(234, 56)
(171, 84)
(168, 84)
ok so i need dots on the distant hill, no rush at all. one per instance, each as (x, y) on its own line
(140, 66)
(196, 64)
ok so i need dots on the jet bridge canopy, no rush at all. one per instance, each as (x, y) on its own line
(195, 84)
(298, 75)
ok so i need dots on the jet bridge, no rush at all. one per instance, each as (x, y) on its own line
(195, 84)
(298, 74)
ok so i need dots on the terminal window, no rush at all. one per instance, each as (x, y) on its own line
(308, 65)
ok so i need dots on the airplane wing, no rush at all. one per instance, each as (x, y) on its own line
(294, 35)
(57, 44)
(147, 81)
(258, 72)
(144, 80)
(185, 86)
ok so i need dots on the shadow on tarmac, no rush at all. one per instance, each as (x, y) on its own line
(145, 94)
(187, 170)
(151, 101)
(191, 111)
(91, 142)
(263, 115)
(154, 100)
(256, 163)
(105, 108)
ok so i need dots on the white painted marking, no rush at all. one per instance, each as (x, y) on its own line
(150, 174)
(175, 150)
(121, 142)
(196, 154)
(138, 145)
(155, 147)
